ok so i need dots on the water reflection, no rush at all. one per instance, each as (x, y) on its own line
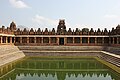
(58, 69)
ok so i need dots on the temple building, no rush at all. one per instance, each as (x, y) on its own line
(61, 36)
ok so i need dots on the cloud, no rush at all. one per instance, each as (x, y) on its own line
(111, 16)
(45, 22)
(18, 4)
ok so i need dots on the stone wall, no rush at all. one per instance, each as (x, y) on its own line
(114, 50)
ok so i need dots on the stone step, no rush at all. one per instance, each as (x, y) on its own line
(9, 53)
(11, 57)
(60, 48)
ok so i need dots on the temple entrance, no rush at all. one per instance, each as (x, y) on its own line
(61, 41)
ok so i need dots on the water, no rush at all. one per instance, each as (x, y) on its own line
(57, 69)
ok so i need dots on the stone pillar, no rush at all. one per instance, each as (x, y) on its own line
(11, 40)
(57, 40)
(113, 40)
(109, 40)
(65, 40)
(73, 40)
(42, 40)
(6, 39)
(1, 39)
(95, 40)
(14, 40)
(80, 40)
(49, 40)
(27, 39)
(117, 40)
(20, 39)
(34, 39)
(102, 40)
(88, 40)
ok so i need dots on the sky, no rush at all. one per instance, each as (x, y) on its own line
(46, 13)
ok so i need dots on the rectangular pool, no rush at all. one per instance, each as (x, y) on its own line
(35, 68)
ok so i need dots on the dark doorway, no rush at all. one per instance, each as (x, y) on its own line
(61, 41)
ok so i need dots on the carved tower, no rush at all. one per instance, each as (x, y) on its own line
(12, 26)
(61, 29)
